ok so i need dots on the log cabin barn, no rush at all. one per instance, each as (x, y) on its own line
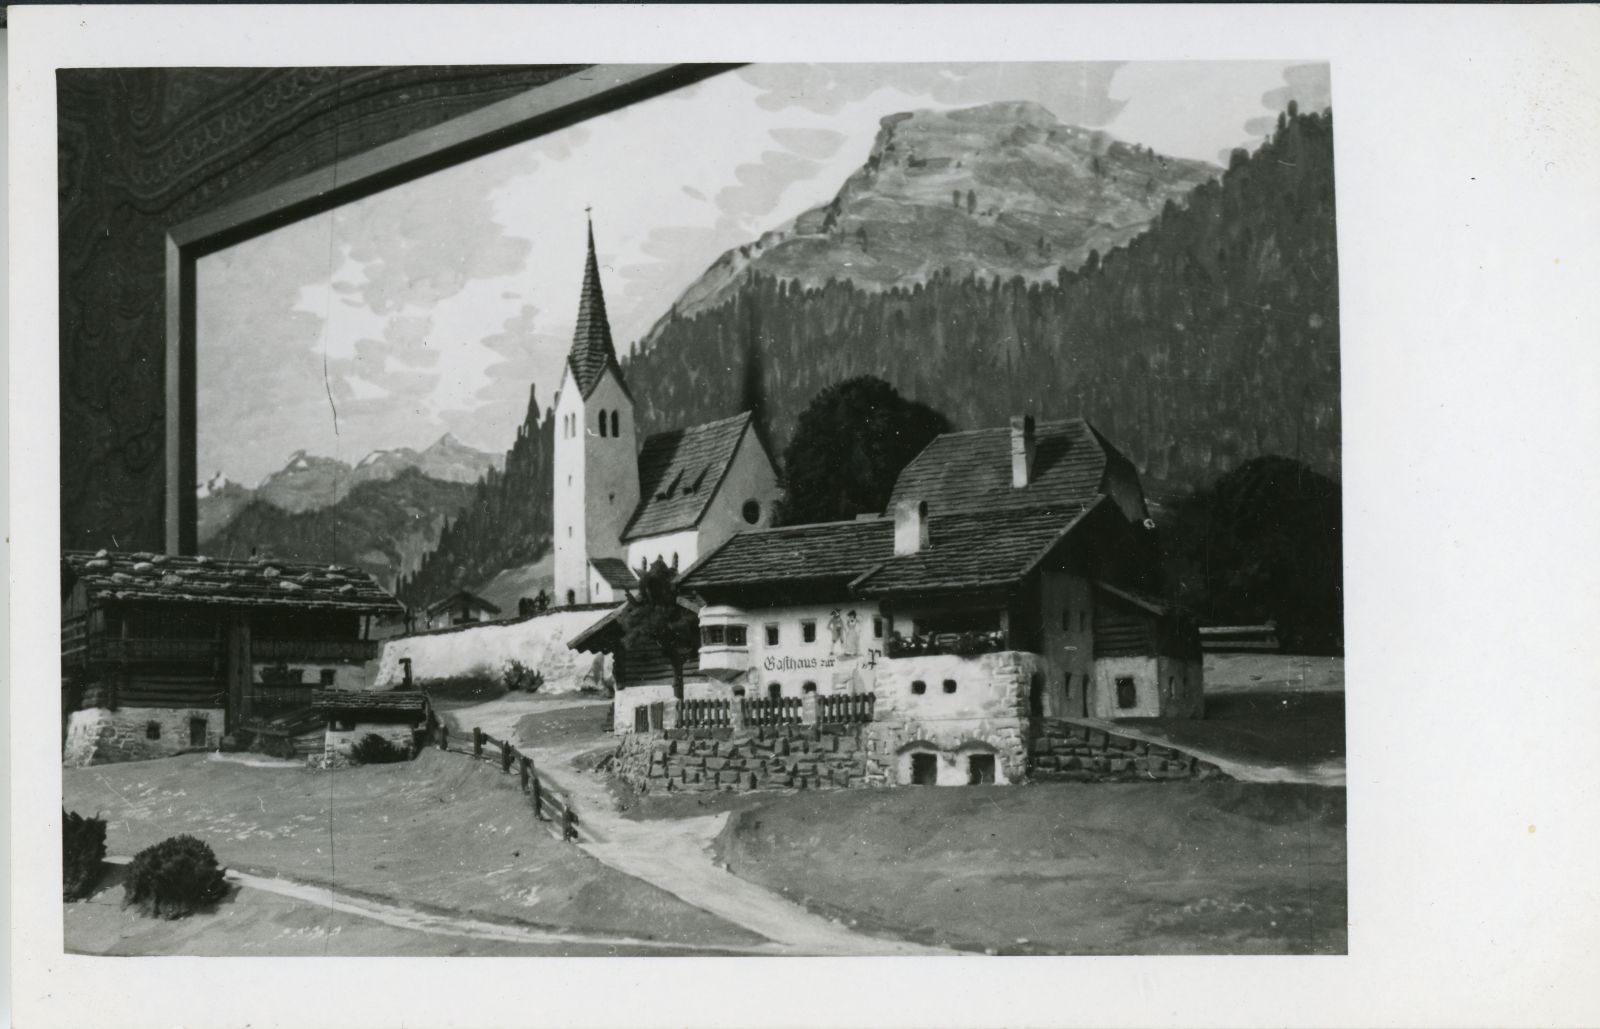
(163, 654)
(1010, 581)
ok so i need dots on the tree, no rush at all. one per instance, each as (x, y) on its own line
(652, 617)
(849, 445)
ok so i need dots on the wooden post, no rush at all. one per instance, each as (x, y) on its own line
(525, 768)
(537, 798)
(477, 742)
(569, 825)
(444, 737)
(505, 757)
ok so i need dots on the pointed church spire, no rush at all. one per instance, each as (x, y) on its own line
(592, 351)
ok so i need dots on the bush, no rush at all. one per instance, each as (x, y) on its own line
(175, 878)
(83, 848)
(373, 749)
(517, 676)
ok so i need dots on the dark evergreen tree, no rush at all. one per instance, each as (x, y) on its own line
(653, 617)
(848, 447)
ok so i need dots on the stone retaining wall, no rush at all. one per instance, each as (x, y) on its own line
(1070, 752)
(778, 757)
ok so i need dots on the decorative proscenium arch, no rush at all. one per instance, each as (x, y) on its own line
(595, 91)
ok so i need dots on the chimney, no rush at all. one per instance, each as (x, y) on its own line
(910, 527)
(1021, 450)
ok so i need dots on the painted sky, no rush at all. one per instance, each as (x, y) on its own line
(432, 307)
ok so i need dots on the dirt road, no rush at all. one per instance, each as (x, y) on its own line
(675, 854)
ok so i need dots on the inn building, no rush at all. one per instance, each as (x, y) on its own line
(1013, 578)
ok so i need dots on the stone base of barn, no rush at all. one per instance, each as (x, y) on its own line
(98, 735)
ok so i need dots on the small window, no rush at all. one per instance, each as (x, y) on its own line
(615, 424)
(713, 635)
(572, 597)
(752, 511)
(603, 425)
(772, 634)
(919, 687)
(1127, 693)
(327, 676)
(949, 685)
(152, 730)
(877, 628)
(738, 691)
(808, 687)
(737, 636)
(1172, 683)
(197, 732)
(808, 631)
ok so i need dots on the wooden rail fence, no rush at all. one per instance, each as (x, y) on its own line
(705, 714)
(548, 804)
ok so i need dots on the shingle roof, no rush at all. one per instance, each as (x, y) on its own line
(471, 598)
(124, 576)
(970, 472)
(971, 551)
(679, 472)
(370, 700)
(827, 551)
(592, 352)
(615, 571)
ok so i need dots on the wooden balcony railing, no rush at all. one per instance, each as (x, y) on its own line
(113, 648)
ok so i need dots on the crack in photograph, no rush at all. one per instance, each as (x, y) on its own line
(766, 509)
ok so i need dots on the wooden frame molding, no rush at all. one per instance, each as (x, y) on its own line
(537, 112)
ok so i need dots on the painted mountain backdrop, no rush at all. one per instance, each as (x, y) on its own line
(993, 191)
(382, 515)
(1208, 337)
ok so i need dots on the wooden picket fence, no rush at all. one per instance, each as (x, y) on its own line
(772, 711)
(549, 804)
(705, 714)
(845, 708)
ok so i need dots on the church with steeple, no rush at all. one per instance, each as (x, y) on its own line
(620, 503)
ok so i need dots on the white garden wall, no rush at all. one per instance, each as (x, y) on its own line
(539, 642)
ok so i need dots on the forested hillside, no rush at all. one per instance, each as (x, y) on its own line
(1211, 338)
(505, 521)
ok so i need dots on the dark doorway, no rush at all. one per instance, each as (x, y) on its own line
(980, 770)
(197, 732)
(1127, 693)
(924, 769)
(1036, 696)
(774, 691)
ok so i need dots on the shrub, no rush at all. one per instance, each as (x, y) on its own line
(373, 749)
(83, 848)
(174, 878)
(517, 676)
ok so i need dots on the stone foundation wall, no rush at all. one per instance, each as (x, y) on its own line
(100, 736)
(779, 757)
(987, 712)
(1070, 752)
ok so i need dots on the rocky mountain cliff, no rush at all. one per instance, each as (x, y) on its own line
(998, 190)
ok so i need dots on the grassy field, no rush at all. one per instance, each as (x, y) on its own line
(441, 832)
(1171, 868)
